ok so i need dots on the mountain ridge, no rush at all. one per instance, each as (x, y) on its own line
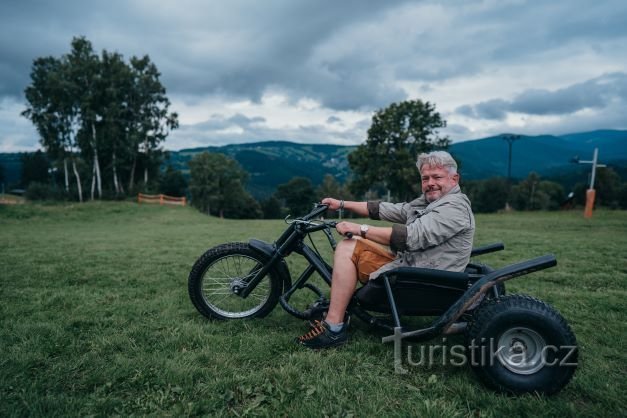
(275, 162)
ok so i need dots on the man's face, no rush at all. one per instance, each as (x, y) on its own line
(437, 181)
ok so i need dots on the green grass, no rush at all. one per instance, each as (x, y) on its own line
(95, 320)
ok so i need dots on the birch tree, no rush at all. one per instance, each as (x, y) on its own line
(101, 110)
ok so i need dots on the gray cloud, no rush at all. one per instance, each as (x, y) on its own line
(221, 130)
(351, 55)
(597, 93)
(344, 54)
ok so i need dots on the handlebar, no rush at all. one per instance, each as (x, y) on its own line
(313, 226)
(319, 209)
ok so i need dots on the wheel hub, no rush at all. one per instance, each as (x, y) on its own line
(237, 285)
(521, 350)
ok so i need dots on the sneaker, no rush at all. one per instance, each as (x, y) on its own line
(320, 336)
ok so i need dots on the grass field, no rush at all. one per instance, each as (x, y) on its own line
(95, 320)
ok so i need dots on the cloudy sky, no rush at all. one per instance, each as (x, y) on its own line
(314, 71)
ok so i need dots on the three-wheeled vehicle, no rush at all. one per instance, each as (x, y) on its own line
(515, 343)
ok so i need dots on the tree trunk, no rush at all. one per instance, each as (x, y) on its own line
(98, 175)
(96, 162)
(78, 181)
(93, 181)
(132, 179)
(67, 177)
(146, 163)
(116, 186)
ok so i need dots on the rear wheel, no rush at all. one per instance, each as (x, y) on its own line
(221, 272)
(519, 344)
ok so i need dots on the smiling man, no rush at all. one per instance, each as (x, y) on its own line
(433, 231)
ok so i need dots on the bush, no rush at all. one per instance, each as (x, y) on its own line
(42, 191)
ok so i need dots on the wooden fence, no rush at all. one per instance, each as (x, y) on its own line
(161, 199)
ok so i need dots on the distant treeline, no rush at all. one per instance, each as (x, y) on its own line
(216, 185)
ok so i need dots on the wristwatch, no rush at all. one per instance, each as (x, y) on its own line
(363, 229)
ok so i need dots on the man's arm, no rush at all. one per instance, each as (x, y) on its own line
(359, 208)
(378, 234)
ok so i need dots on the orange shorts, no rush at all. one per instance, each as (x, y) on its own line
(368, 257)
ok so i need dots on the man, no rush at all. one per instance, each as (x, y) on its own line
(433, 231)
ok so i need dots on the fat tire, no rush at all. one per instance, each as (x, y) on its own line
(510, 314)
(208, 259)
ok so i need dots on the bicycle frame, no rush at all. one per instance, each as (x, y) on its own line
(292, 241)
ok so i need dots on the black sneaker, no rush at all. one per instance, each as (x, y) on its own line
(320, 336)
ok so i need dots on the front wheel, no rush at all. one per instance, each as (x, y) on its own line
(218, 273)
(519, 344)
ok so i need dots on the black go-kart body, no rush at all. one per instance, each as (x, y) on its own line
(524, 345)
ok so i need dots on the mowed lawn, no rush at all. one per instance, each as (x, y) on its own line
(96, 320)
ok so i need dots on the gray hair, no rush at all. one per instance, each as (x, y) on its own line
(437, 159)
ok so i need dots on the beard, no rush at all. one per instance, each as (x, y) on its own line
(433, 194)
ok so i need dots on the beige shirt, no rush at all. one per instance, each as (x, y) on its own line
(435, 235)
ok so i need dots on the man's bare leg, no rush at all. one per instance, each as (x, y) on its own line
(343, 281)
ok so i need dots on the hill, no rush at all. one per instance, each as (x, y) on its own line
(548, 155)
(271, 163)
(275, 162)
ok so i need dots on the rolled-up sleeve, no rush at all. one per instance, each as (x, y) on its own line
(398, 239)
(373, 209)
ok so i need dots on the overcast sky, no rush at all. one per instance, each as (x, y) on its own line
(314, 71)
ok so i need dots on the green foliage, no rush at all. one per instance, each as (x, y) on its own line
(487, 196)
(535, 194)
(330, 187)
(35, 168)
(217, 187)
(172, 182)
(43, 191)
(95, 321)
(298, 194)
(608, 185)
(397, 135)
(100, 110)
(271, 208)
(622, 196)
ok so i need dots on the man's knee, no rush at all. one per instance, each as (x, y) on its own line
(345, 248)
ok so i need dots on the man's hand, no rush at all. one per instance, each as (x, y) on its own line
(334, 204)
(344, 227)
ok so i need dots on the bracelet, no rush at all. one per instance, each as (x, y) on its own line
(341, 204)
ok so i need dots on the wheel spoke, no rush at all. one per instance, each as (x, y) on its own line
(218, 286)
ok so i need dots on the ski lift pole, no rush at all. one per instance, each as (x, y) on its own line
(591, 193)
